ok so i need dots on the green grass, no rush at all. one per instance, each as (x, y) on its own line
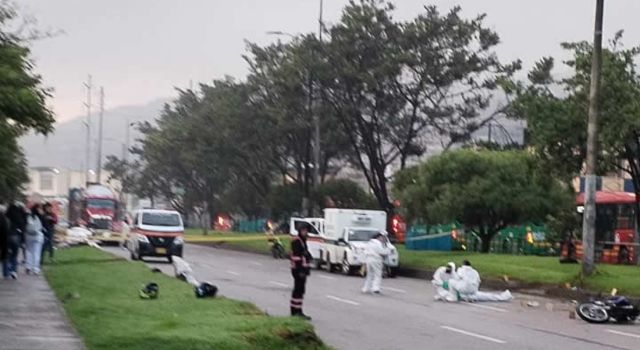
(527, 269)
(100, 295)
(530, 269)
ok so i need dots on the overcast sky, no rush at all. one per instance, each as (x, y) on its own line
(139, 50)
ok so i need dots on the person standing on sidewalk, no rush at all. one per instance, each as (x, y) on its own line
(34, 238)
(300, 258)
(17, 222)
(49, 222)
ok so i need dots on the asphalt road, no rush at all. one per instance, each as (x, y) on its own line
(404, 316)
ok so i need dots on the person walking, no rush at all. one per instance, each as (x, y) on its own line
(300, 258)
(34, 238)
(49, 221)
(4, 244)
(375, 252)
(17, 222)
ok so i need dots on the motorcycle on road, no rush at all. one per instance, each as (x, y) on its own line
(617, 308)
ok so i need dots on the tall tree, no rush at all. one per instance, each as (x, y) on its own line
(486, 191)
(22, 102)
(555, 111)
(393, 84)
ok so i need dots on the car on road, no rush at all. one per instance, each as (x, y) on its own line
(156, 233)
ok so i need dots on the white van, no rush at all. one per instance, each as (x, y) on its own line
(157, 233)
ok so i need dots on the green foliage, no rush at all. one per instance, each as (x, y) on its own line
(22, 103)
(343, 193)
(285, 201)
(486, 191)
(108, 313)
(391, 83)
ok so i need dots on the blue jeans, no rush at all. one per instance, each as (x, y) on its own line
(34, 252)
(11, 263)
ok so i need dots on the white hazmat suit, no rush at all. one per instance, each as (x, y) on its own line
(183, 271)
(375, 253)
(465, 287)
(441, 280)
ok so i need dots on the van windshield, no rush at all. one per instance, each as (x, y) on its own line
(161, 219)
(361, 235)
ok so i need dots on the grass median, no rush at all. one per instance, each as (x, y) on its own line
(531, 270)
(100, 295)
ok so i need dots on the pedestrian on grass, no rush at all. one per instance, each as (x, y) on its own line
(34, 238)
(300, 259)
(49, 221)
(17, 222)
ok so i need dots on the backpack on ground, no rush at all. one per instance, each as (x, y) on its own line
(34, 226)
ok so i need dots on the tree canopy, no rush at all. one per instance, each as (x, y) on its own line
(22, 103)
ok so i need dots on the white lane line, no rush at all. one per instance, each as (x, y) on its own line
(632, 335)
(395, 290)
(327, 277)
(233, 273)
(475, 335)
(279, 284)
(486, 307)
(342, 300)
(255, 263)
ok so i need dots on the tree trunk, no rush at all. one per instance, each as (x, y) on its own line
(203, 219)
(486, 244)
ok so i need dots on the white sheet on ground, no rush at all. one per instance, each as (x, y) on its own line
(488, 296)
(183, 270)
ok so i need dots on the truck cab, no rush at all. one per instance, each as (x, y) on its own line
(339, 240)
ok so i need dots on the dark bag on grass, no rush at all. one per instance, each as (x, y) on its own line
(206, 290)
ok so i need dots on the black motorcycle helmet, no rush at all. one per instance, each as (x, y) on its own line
(150, 291)
(206, 290)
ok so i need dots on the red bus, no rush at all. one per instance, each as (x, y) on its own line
(615, 226)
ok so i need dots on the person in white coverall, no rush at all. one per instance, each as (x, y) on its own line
(375, 252)
(465, 284)
(441, 280)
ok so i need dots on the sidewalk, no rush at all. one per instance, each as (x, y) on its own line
(31, 317)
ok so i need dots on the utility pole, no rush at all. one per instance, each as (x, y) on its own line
(589, 223)
(99, 156)
(87, 160)
(316, 117)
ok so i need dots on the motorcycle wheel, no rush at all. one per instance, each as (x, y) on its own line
(592, 313)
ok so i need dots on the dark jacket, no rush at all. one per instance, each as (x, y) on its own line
(17, 220)
(300, 256)
(4, 236)
(49, 223)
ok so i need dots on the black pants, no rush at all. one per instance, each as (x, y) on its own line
(297, 295)
(47, 247)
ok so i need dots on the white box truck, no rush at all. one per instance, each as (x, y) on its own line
(338, 241)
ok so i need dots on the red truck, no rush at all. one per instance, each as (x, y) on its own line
(98, 209)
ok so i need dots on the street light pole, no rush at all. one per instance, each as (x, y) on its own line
(87, 160)
(589, 223)
(100, 122)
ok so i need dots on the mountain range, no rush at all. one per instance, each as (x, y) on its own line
(65, 147)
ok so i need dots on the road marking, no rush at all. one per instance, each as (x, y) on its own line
(233, 273)
(492, 308)
(280, 284)
(394, 290)
(632, 335)
(342, 300)
(255, 263)
(479, 336)
(327, 277)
